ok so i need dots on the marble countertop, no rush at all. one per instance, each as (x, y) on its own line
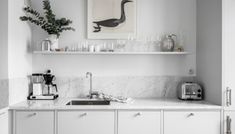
(145, 104)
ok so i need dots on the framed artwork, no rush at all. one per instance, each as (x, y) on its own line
(111, 19)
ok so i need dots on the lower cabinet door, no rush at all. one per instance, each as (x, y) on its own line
(229, 122)
(192, 122)
(86, 122)
(34, 122)
(139, 122)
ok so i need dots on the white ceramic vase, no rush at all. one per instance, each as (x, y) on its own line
(54, 42)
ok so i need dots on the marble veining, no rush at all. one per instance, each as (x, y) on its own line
(127, 86)
(4, 93)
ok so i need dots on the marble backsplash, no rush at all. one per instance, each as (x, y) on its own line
(128, 86)
(4, 93)
(16, 90)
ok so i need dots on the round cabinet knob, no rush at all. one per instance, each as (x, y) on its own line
(84, 114)
(33, 114)
(138, 114)
(191, 114)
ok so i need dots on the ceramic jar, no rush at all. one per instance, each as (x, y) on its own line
(54, 42)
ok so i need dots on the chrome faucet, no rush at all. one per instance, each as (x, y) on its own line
(91, 92)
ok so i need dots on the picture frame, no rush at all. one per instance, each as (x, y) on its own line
(111, 19)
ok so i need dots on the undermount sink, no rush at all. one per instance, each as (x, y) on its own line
(88, 102)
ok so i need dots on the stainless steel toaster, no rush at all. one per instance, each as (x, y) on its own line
(190, 91)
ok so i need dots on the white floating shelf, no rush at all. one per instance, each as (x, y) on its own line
(110, 53)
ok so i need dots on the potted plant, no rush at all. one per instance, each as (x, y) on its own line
(54, 27)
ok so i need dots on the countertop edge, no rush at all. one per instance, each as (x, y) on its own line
(126, 109)
(138, 104)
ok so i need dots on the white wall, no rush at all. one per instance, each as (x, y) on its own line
(3, 39)
(15, 41)
(19, 36)
(209, 48)
(4, 92)
(154, 17)
(19, 52)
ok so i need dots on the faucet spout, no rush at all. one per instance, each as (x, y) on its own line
(91, 92)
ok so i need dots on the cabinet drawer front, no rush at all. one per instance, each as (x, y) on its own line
(34, 122)
(192, 122)
(86, 122)
(139, 122)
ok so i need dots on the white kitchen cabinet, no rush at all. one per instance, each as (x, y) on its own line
(191, 122)
(228, 53)
(229, 122)
(4, 121)
(34, 122)
(139, 122)
(86, 122)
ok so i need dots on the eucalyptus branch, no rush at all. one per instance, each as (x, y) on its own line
(67, 29)
(48, 12)
(49, 23)
(25, 18)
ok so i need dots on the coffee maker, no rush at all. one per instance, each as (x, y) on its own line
(50, 86)
(37, 83)
(49, 89)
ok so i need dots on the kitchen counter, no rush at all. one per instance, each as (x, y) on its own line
(145, 104)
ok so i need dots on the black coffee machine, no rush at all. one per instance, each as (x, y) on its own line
(49, 78)
(50, 89)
